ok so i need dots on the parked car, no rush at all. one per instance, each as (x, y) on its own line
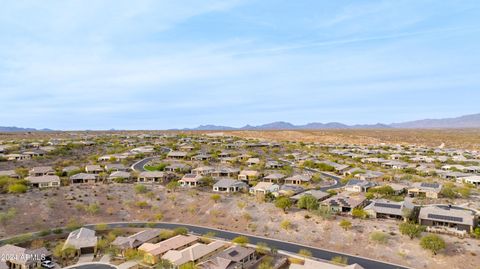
(48, 264)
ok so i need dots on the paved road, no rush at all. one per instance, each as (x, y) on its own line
(92, 266)
(280, 245)
(138, 166)
(337, 179)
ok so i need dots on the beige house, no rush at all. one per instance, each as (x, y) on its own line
(13, 257)
(154, 177)
(248, 175)
(190, 180)
(423, 189)
(194, 253)
(44, 181)
(153, 252)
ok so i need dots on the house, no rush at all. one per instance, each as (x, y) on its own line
(70, 169)
(153, 252)
(43, 181)
(203, 170)
(83, 240)
(9, 173)
(93, 169)
(264, 188)
(395, 165)
(226, 172)
(369, 175)
(154, 177)
(111, 167)
(120, 176)
(187, 148)
(178, 167)
(474, 180)
(289, 190)
(41, 171)
(248, 175)
(424, 189)
(253, 161)
(236, 257)
(14, 257)
(273, 165)
(383, 208)
(317, 194)
(344, 203)
(448, 217)
(338, 168)
(133, 241)
(298, 179)
(83, 178)
(275, 177)
(177, 155)
(17, 157)
(356, 185)
(191, 180)
(202, 157)
(193, 253)
(229, 185)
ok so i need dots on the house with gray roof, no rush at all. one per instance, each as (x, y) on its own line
(356, 185)
(83, 178)
(133, 241)
(43, 181)
(41, 171)
(448, 217)
(383, 208)
(317, 194)
(229, 185)
(83, 240)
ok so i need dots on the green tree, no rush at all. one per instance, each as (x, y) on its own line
(411, 230)
(139, 188)
(305, 253)
(286, 224)
(215, 197)
(17, 188)
(241, 240)
(283, 203)
(173, 185)
(93, 208)
(180, 230)
(359, 213)
(379, 237)
(340, 260)
(308, 202)
(432, 242)
(345, 224)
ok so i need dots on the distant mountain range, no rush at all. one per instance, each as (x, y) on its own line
(19, 129)
(467, 121)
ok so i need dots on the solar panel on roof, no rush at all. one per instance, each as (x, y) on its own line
(233, 253)
(429, 185)
(388, 205)
(448, 218)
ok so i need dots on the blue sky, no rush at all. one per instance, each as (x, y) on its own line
(172, 64)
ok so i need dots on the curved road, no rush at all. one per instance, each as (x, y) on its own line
(280, 245)
(139, 166)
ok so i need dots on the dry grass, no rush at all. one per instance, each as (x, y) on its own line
(464, 138)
